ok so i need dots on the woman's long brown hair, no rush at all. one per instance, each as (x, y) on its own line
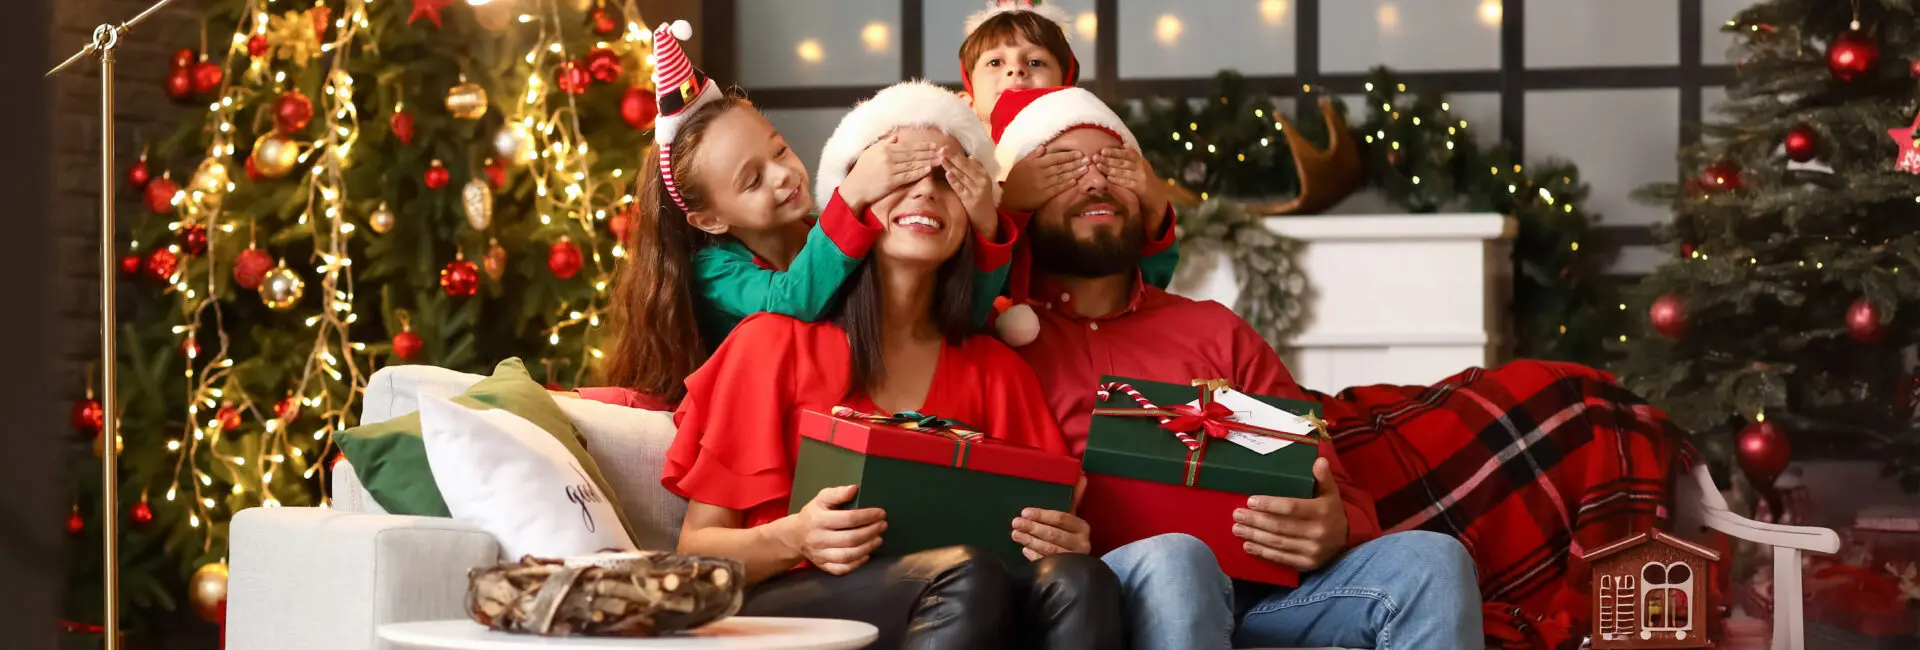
(657, 337)
(859, 313)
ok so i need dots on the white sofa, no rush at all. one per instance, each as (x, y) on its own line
(327, 578)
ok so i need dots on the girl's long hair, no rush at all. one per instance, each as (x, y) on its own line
(859, 313)
(657, 337)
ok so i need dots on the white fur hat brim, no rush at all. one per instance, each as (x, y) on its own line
(905, 104)
(1051, 115)
(997, 7)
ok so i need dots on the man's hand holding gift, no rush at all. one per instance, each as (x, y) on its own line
(1301, 534)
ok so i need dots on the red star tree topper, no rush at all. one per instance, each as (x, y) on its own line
(1909, 158)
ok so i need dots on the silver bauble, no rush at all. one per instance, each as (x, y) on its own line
(477, 199)
(381, 221)
(282, 288)
(514, 143)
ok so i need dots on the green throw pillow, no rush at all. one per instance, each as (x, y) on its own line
(391, 460)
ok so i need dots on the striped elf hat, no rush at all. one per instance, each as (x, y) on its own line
(680, 89)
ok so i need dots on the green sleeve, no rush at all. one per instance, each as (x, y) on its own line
(730, 283)
(988, 286)
(1157, 269)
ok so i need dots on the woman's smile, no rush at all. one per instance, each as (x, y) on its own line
(920, 222)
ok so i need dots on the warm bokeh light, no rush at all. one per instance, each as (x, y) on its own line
(1168, 29)
(1088, 24)
(1490, 13)
(1389, 17)
(809, 51)
(1273, 12)
(877, 36)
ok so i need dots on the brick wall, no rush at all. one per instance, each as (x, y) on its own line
(142, 112)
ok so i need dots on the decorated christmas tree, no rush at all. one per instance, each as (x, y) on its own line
(369, 183)
(1785, 313)
(1416, 152)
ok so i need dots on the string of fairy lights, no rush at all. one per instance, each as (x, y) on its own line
(554, 152)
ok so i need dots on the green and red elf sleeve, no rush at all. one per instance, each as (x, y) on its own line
(731, 284)
(1160, 258)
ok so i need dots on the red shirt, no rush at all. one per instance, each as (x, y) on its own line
(739, 425)
(1159, 336)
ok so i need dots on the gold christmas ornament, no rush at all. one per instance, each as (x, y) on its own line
(282, 287)
(514, 143)
(496, 261)
(99, 440)
(381, 221)
(493, 16)
(209, 184)
(467, 101)
(477, 198)
(293, 37)
(207, 591)
(275, 154)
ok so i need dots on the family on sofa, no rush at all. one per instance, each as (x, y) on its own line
(740, 308)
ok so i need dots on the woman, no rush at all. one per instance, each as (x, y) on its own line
(901, 339)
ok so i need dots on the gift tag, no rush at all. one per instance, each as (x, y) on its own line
(1261, 414)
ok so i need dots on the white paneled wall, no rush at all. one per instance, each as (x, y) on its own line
(1610, 33)
(1418, 35)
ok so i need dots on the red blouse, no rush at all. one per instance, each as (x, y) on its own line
(738, 426)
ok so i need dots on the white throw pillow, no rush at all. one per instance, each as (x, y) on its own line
(502, 473)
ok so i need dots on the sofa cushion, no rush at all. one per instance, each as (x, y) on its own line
(390, 459)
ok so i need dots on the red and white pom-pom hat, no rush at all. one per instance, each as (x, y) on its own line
(679, 90)
(905, 104)
(1025, 120)
(1049, 12)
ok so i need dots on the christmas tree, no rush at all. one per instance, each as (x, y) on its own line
(1423, 159)
(1795, 244)
(369, 183)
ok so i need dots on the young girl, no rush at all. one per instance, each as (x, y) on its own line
(725, 232)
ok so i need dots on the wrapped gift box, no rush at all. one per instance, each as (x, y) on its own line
(1144, 479)
(940, 483)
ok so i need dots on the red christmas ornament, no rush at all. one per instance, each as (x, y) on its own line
(228, 417)
(564, 258)
(137, 175)
(88, 417)
(207, 77)
(402, 123)
(621, 221)
(437, 175)
(460, 278)
(1669, 316)
(604, 65)
(496, 173)
(180, 84)
(141, 514)
(573, 78)
(130, 264)
(1801, 143)
(606, 20)
(1762, 452)
(161, 264)
(250, 268)
(638, 108)
(1863, 322)
(183, 58)
(160, 193)
(292, 111)
(407, 345)
(287, 409)
(75, 523)
(1686, 250)
(253, 171)
(1723, 176)
(1851, 55)
(257, 46)
(428, 9)
(193, 239)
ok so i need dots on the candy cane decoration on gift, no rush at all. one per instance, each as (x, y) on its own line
(1106, 390)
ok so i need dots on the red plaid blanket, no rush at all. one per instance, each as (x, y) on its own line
(1526, 465)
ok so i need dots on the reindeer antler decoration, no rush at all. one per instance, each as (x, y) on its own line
(1327, 176)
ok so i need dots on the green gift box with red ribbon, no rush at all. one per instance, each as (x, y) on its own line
(941, 482)
(1158, 461)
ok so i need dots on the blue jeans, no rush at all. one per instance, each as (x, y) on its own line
(1414, 589)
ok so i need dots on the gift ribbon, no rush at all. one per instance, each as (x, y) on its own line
(914, 421)
(1184, 419)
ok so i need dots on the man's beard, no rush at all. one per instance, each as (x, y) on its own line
(1056, 250)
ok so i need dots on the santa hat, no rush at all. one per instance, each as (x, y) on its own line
(1049, 12)
(905, 104)
(1025, 120)
(680, 89)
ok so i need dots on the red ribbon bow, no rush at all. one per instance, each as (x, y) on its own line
(1212, 416)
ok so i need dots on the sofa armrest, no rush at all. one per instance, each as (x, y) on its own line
(318, 578)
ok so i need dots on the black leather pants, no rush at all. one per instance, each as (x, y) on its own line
(958, 598)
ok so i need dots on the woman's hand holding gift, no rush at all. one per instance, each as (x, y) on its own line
(834, 541)
(1051, 532)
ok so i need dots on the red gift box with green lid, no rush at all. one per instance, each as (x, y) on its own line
(940, 482)
(1146, 476)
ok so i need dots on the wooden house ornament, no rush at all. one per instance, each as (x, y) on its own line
(1650, 591)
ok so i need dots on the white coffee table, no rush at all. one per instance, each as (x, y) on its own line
(727, 634)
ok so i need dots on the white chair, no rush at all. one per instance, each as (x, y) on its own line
(1789, 619)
